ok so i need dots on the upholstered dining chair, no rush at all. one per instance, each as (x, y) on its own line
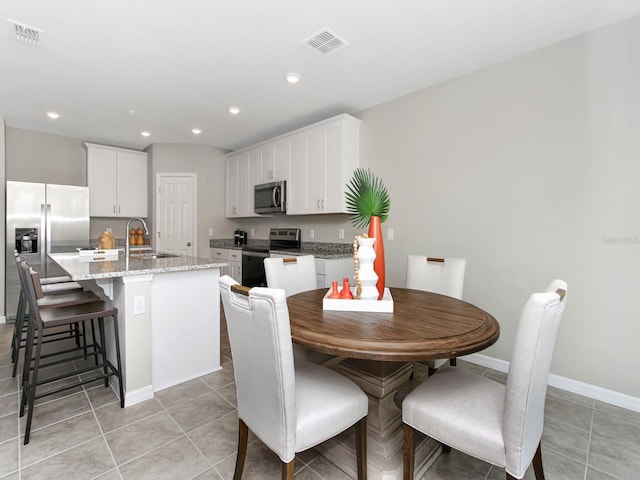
(500, 424)
(290, 408)
(438, 275)
(295, 275)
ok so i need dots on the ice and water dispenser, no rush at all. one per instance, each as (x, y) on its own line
(27, 240)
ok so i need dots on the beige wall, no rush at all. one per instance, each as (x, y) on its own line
(2, 208)
(45, 158)
(208, 164)
(530, 170)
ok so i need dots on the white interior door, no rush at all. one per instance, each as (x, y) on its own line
(175, 213)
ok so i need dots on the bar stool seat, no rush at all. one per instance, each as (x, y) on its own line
(43, 318)
(51, 296)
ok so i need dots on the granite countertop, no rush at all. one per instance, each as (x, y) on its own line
(87, 270)
(317, 249)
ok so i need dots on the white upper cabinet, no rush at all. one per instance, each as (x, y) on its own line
(243, 170)
(117, 180)
(316, 161)
(330, 154)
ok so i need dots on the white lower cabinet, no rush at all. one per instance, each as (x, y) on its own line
(231, 256)
(329, 269)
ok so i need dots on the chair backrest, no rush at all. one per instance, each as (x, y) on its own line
(439, 275)
(528, 375)
(294, 275)
(260, 339)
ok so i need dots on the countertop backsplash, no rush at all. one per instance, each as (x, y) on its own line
(318, 249)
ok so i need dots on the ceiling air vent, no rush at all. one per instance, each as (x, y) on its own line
(24, 33)
(325, 42)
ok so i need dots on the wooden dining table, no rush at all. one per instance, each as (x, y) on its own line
(376, 350)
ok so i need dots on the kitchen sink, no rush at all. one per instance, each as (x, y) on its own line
(154, 255)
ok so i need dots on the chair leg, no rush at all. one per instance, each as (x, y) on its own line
(361, 448)
(409, 452)
(287, 469)
(243, 437)
(537, 463)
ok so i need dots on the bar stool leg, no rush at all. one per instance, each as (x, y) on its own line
(103, 350)
(26, 366)
(31, 386)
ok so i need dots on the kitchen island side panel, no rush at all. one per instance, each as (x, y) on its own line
(185, 326)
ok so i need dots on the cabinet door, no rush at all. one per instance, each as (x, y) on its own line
(253, 179)
(334, 181)
(101, 179)
(314, 170)
(231, 197)
(281, 157)
(236, 271)
(131, 185)
(296, 182)
(267, 169)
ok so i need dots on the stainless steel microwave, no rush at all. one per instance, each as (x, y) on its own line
(270, 198)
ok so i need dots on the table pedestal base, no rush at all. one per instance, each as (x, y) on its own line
(380, 381)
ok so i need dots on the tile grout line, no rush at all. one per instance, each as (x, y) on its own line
(104, 438)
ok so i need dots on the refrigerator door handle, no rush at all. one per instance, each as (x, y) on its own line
(44, 236)
(47, 239)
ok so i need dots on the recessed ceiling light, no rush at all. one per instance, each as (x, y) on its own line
(292, 77)
(196, 131)
(233, 110)
(53, 115)
(145, 134)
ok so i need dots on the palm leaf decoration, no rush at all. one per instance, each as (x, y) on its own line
(366, 196)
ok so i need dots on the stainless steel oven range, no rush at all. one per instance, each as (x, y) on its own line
(253, 255)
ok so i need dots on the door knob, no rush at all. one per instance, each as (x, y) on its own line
(188, 244)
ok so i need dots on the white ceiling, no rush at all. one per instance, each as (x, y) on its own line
(180, 64)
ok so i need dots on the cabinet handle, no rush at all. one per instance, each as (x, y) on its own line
(114, 208)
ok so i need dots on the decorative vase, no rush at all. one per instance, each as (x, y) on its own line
(375, 231)
(366, 273)
(345, 293)
(334, 290)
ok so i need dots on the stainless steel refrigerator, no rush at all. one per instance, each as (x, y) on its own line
(42, 218)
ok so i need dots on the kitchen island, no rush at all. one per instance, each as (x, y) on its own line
(168, 316)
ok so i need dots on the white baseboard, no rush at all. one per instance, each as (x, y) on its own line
(138, 395)
(3, 319)
(592, 391)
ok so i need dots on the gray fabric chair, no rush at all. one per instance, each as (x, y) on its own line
(289, 408)
(295, 275)
(438, 275)
(500, 424)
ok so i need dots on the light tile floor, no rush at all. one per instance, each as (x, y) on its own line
(189, 432)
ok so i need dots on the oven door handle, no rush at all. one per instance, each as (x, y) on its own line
(255, 254)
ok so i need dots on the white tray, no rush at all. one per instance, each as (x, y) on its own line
(383, 305)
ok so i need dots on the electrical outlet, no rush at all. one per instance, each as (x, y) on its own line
(341, 234)
(138, 305)
(211, 232)
(390, 233)
(312, 233)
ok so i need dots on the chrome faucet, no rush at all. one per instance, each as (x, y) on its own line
(127, 250)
